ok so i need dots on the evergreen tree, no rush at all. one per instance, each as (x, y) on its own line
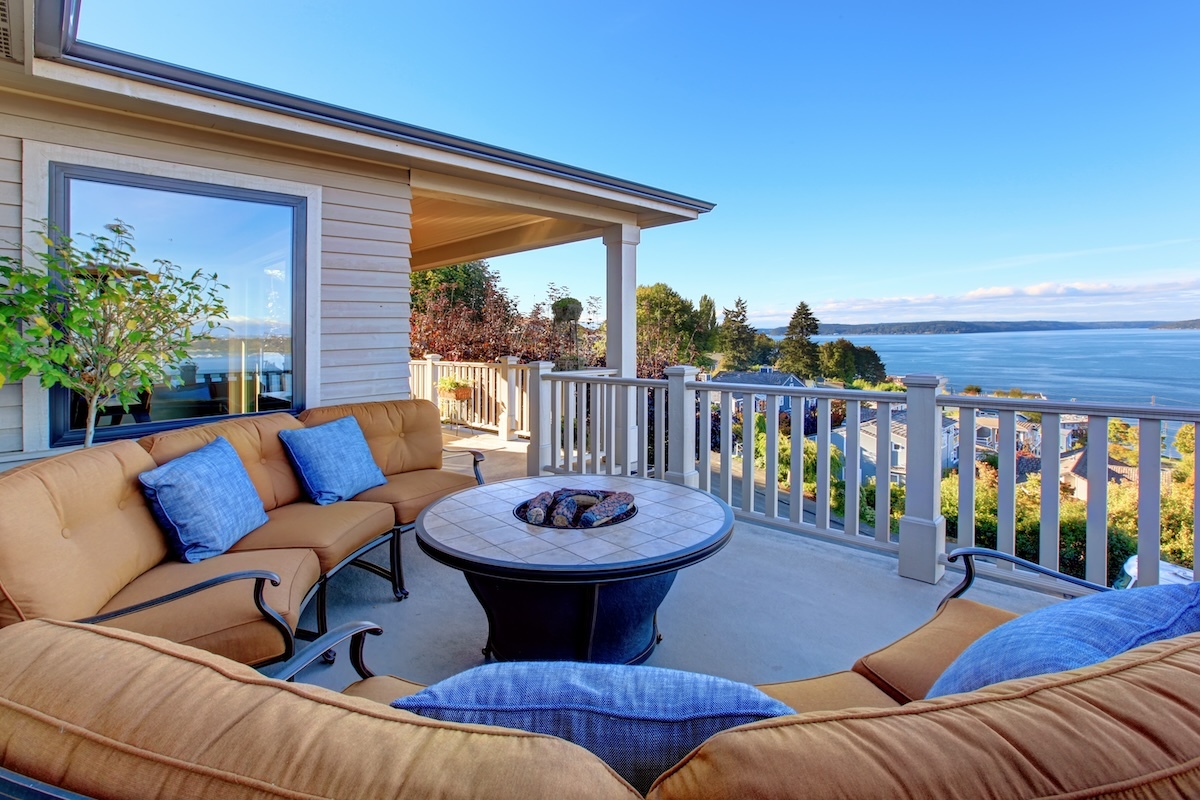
(737, 337)
(707, 311)
(869, 365)
(797, 353)
(837, 360)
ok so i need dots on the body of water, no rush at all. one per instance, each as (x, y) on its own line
(1132, 365)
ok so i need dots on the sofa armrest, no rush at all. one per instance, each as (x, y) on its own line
(968, 555)
(476, 456)
(355, 631)
(260, 577)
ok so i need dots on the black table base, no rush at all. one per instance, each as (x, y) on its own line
(610, 623)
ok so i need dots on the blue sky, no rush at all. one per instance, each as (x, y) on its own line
(880, 161)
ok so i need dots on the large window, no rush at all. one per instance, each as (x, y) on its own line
(253, 240)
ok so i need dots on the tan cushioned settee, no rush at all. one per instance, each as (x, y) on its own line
(113, 714)
(78, 540)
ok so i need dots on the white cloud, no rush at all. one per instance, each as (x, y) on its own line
(1079, 300)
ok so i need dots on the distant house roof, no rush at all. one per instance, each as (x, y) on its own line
(1074, 462)
(1026, 466)
(772, 378)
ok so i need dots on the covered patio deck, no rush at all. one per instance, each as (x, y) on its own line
(771, 606)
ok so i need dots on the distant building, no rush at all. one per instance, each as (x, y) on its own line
(1072, 472)
(897, 469)
(764, 376)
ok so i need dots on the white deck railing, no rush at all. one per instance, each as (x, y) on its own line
(499, 399)
(681, 429)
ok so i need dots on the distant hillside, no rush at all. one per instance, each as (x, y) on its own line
(1186, 325)
(957, 326)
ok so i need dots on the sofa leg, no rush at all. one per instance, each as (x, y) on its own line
(329, 656)
(398, 566)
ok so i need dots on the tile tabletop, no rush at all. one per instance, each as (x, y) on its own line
(479, 523)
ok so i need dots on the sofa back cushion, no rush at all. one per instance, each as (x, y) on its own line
(109, 713)
(404, 435)
(1128, 727)
(74, 531)
(256, 440)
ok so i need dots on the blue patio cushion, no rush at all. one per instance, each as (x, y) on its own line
(1073, 634)
(204, 501)
(641, 720)
(333, 460)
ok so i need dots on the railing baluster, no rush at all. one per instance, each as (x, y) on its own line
(660, 433)
(1006, 487)
(643, 416)
(1096, 555)
(823, 448)
(747, 452)
(883, 472)
(609, 393)
(557, 412)
(704, 407)
(581, 426)
(850, 472)
(771, 457)
(725, 478)
(966, 477)
(1149, 519)
(1049, 522)
(594, 434)
(796, 465)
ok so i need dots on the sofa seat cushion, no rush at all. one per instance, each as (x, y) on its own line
(404, 435)
(829, 693)
(108, 713)
(410, 492)
(1074, 634)
(333, 532)
(382, 688)
(640, 720)
(907, 668)
(74, 529)
(256, 440)
(1129, 727)
(222, 619)
(203, 500)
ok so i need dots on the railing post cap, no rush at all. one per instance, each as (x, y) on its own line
(683, 369)
(432, 357)
(541, 366)
(924, 380)
(509, 360)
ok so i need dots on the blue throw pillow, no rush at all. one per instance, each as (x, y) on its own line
(204, 501)
(1073, 634)
(641, 720)
(333, 460)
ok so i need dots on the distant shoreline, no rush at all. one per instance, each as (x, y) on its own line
(956, 326)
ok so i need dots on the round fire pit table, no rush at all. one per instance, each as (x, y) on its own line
(579, 594)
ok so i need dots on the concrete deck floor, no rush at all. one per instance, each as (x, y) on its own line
(770, 606)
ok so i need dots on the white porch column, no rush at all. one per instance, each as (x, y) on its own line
(681, 426)
(923, 528)
(620, 242)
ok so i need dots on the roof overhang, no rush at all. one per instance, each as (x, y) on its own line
(470, 199)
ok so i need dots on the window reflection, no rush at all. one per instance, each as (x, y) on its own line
(248, 366)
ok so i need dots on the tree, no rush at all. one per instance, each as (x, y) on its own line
(1185, 439)
(466, 284)
(766, 350)
(869, 365)
(973, 388)
(670, 330)
(461, 313)
(737, 337)
(797, 353)
(837, 360)
(99, 323)
(706, 309)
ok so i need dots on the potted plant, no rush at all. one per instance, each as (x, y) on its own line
(453, 387)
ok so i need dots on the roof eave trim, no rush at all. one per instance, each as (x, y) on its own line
(90, 56)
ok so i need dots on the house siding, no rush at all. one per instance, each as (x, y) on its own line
(10, 233)
(365, 233)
